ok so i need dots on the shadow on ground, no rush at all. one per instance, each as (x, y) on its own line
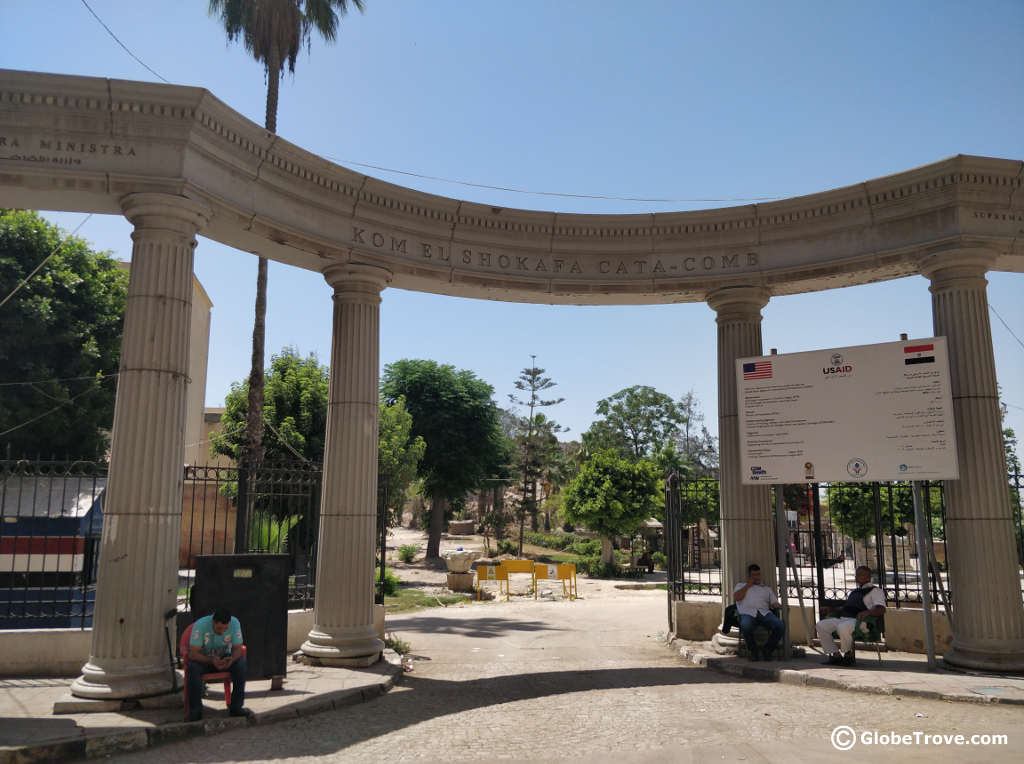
(470, 627)
(419, 700)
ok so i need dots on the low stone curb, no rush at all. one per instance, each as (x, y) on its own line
(101, 744)
(796, 677)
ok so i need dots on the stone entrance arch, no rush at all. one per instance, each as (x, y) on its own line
(176, 161)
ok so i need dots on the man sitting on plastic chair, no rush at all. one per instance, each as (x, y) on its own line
(216, 645)
(866, 600)
(754, 603)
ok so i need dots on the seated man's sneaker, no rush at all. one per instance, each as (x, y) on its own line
(240, 712)
(849, 660)
(834, 659)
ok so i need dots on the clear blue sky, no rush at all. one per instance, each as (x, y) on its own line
(674, 100)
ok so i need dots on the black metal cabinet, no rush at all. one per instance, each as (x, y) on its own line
(254, 587)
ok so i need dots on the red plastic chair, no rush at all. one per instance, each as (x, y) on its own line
(208, 678)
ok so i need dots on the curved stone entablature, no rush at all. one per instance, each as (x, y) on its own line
(82, 144)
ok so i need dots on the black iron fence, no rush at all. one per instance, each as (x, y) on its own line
(692, 536)
(832, 529)
(51, 521)
(281, 516)
(52, 518)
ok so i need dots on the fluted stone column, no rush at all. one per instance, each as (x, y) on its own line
(988, 619)
(746, 514)
(138, 564)
(343, 628)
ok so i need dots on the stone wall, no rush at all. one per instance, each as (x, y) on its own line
(904, 627)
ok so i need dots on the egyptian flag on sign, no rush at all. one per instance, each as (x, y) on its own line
(918, 354)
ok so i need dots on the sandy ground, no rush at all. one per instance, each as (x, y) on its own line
(432, 577)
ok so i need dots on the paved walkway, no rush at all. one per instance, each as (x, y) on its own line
(556, 680)
(901, 674)
(30, 731)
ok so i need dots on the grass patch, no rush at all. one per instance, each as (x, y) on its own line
(559, 557)
(400, 646)
(414, 599)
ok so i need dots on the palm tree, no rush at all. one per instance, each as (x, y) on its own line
(272, 31)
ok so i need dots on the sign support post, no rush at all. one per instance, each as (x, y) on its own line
(922, 570)
(781, 547)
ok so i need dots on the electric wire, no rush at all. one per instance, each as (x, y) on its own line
(143, 63)
(60, 405)
(549, 193)
(993, 309)
(472, 184)
(98, 377)
(56, 249)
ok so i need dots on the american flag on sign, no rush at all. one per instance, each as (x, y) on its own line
(757, 370)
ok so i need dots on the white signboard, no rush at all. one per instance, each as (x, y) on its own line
(871, 412)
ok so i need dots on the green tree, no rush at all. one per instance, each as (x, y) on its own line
(399, 454)
(602, 435)
(641, 417)
(295, 411)
(535, 442)
(700, 499)
(695, 443)
(60, 340)
(612, 496)
(851, 508)
(273, 32)
(455, 413)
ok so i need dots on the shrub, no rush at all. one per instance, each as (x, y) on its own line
(389, 586)
(593, 567)
(407, 552)
(660, 560)
(557, 541)
(586, 547)
(400, 646)
(507, 546)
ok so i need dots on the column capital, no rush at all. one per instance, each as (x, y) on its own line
(738, 302)
(956, 264)
(168, 212)
(355, 279)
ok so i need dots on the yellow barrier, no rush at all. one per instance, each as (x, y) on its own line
(490, 573)
(564, 572)
(517, 566)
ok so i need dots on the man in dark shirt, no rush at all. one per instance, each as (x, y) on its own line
(867, 599)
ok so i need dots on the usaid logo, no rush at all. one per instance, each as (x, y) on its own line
(757, 471)
(836, 366)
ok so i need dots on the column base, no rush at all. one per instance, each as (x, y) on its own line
(460, 582)
(358, 646)
(1001, 658)
(723, 644)
(364, 661)
(98, 683)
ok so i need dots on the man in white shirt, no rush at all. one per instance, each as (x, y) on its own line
(866, 599)
(754, 604)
